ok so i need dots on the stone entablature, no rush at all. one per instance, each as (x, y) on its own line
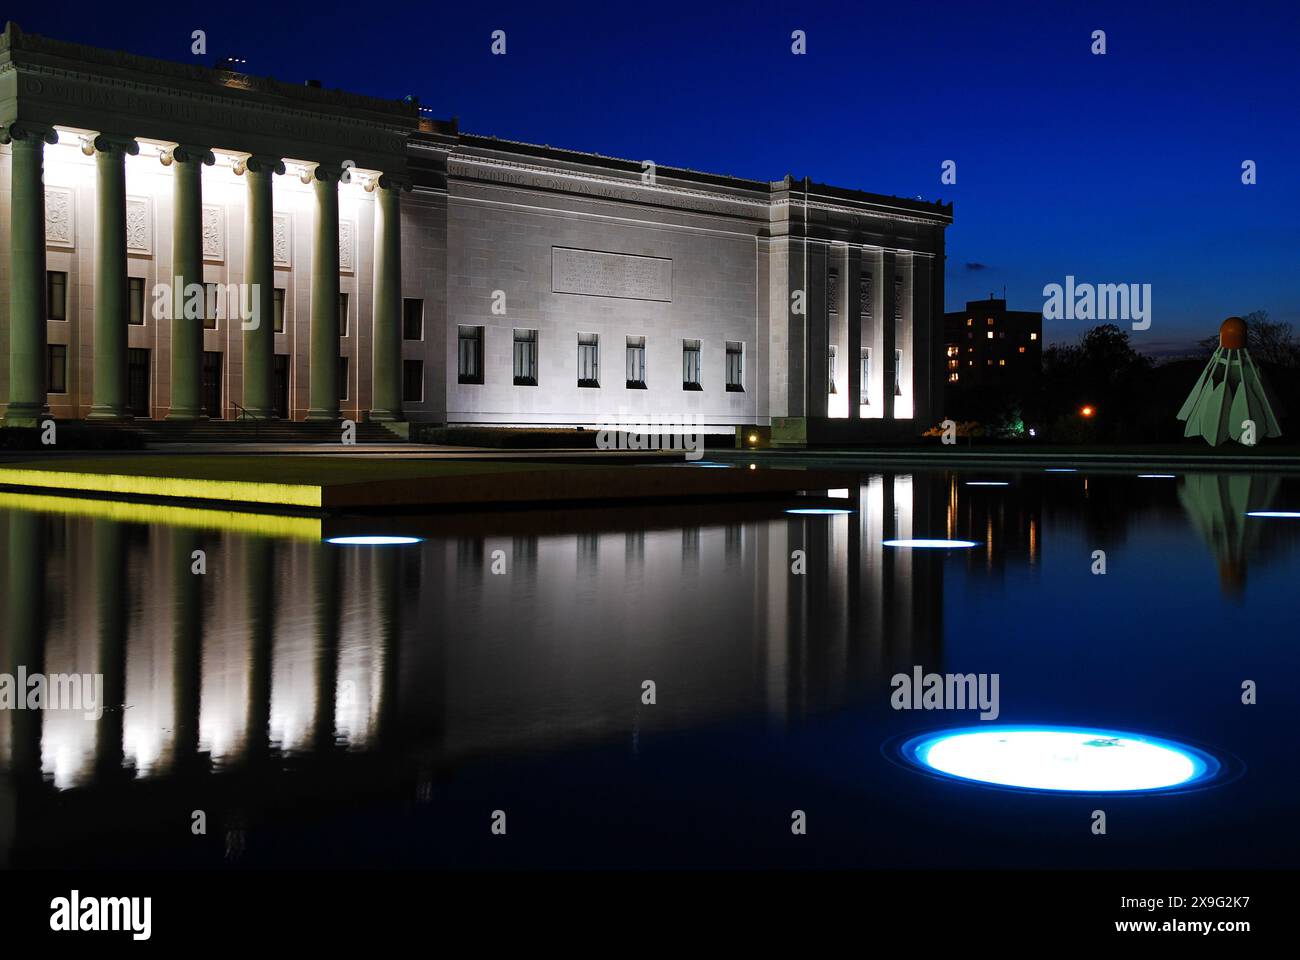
(53, 82)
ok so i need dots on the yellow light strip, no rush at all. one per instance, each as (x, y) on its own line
(238, 491)
(298, 528)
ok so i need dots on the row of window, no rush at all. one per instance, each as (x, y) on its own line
(56, 373)
(469, 361)
(864, 373)
(56, 291)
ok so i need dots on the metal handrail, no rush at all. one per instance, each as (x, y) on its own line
(243, 414)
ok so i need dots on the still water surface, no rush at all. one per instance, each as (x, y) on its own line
(326, 704)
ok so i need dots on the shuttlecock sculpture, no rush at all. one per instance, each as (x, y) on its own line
(1230, 398)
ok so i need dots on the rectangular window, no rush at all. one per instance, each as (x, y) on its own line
(833, 291)
(277, 303)
(343, 314)
(56, 294)
(898, 298)
(636, 363)
(735, 367)
(864, 372)
(588, 360)
(412, 319)
(211, 305)
(1033, 336)
(525, 358)
(898, 373)
(469, 354)
(412, 381)
(830, 367)
(135, 293)
(343, 378)
(56, 368)
(691, 365)
(990, 334)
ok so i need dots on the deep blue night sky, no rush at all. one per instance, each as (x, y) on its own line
(1117, 168)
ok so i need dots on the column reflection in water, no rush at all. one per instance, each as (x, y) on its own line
(111, 609)
(288, 646)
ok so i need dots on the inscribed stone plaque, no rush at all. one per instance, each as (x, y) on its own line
(622, 275)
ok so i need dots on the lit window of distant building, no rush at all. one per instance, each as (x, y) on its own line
(1033, 336)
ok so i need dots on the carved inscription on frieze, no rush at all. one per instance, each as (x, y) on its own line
(595, 273)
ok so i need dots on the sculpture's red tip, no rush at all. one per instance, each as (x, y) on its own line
(1232, 334)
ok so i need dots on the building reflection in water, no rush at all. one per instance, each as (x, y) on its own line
(289, 652)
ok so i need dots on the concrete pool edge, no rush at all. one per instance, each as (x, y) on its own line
(589, 486)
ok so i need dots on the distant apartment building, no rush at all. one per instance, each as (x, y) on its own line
(986, 344)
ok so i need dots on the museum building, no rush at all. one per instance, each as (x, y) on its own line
(179, 242)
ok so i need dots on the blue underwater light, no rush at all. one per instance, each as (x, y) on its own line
(931, 544)
(1062, 759)
(373, 541)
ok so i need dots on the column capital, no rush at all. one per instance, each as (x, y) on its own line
(258, 163)
(114, 143)
(324, 172)
(26, 130)
(186, 153)
(388, 181)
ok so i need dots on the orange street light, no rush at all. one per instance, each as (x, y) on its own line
(1087, 410)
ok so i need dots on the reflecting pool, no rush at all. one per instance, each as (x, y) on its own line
(657, 686)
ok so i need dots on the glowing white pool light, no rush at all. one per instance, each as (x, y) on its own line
(1275, 514)
(373, 541)
(818, 511)
(1076, 759)
(1060, 470)
(987, 483)
(930, 544)
(1157, 476)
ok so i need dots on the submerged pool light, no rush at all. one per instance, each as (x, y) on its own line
(987, 483)
(1275, 514)
(373, 541)
(818, 511)
(931, 544)
(1065, 759)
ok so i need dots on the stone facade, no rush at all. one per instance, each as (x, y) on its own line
(786, 286)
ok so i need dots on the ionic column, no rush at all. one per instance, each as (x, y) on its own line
(111, 299)
(26, 272)
(926, 370)
(888, 332)
(259, 281)
(386, 341)
(187, 268)
(324, 356)
(851, 308)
